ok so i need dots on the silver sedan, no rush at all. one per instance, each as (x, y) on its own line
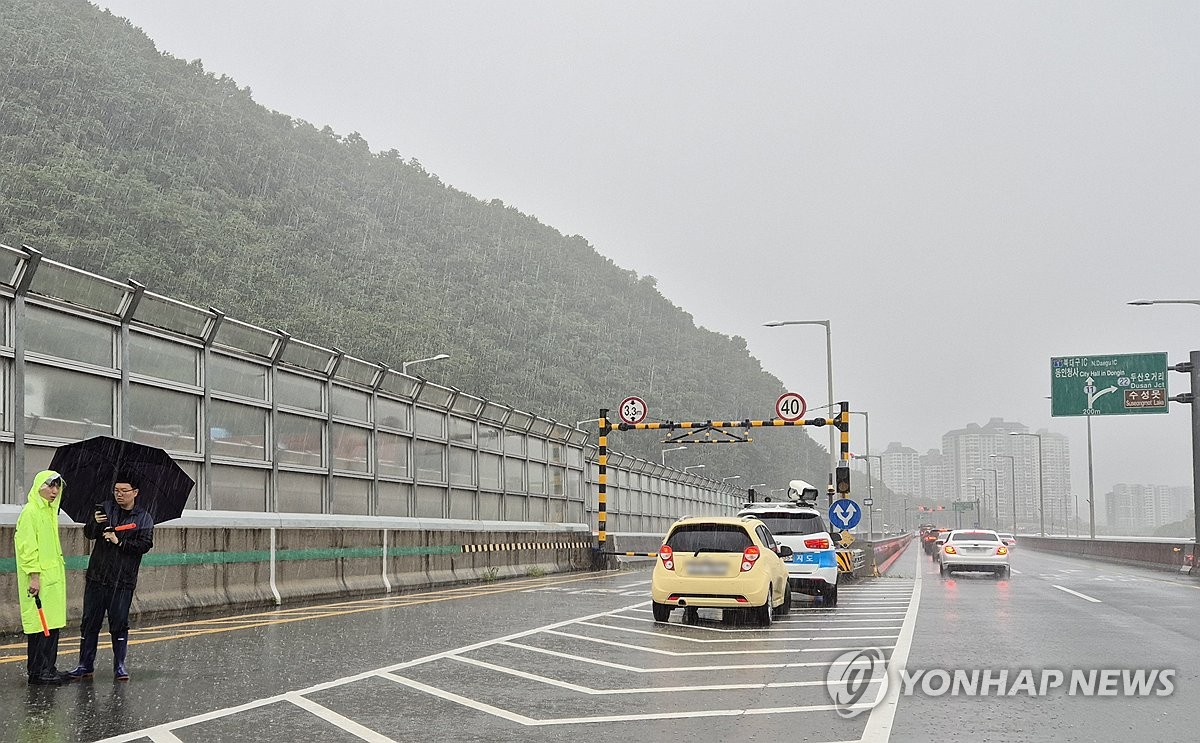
(979, 550)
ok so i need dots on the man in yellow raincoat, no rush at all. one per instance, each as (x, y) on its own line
(41, 575)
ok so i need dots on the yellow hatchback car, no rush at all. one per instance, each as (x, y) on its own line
(721, 563)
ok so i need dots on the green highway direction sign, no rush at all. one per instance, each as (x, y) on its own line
(1117, 384)
(964, 505)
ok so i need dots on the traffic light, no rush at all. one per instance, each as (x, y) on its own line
(842, 479)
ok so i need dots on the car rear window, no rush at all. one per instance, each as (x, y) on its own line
(975, 536)
(791, 523)
(709, 538)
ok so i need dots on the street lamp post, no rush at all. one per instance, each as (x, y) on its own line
(1091, 470)
(1192, 367)
(1012, 487)
(692, 467)
(1041, 482)
(995, 492)
(977, 484)
(727, 479)
(404, 365)
(867, 442)
(833, 449)
(871, 483)
(664, 453)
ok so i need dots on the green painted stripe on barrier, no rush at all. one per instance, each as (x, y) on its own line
(80, 562)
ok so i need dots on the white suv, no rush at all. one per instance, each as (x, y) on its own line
(812, 567)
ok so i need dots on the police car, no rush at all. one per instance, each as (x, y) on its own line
(797, 523)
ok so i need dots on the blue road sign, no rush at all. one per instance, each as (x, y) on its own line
(844, 514)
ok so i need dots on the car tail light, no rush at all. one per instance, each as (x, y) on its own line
(950, 550)
(667, 555)
(817, 544)
(749, 557)
(1002, 550)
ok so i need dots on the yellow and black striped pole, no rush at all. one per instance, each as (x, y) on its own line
(844, 426)
(602, 461)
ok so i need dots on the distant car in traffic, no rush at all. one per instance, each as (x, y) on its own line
(929, 539)
(812, 567)
(939, 538)
(724, 563)
(1008, 539)
(979, 550)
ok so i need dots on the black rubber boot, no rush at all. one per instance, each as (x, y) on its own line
(87, 660)
(119, 646)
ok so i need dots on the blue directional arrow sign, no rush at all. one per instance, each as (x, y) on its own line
(844, 514)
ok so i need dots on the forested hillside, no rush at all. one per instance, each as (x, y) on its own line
(121, 159)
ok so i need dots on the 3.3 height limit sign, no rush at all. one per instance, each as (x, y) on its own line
(1118, 384)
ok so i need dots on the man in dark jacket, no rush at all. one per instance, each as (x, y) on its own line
(123, 533)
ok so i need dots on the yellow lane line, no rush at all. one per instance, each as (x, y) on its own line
(252, 621)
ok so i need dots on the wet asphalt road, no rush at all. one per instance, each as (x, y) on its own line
(578, 657)
(1139, 619)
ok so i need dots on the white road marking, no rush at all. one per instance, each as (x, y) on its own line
(639, 690)
(1015, 571)
(530, 722)
(657, 651)
(723, 629)
(741, 630)
(879, 723)
(684, 638)
(631, 585)
(464, 701)
(1077, 593)
(150, 732)
(668, 669)
(828, 617)
(701, 713)
(843, 613)
(340, 721)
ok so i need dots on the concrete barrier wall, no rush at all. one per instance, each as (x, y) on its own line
(281, 559)
(888, 550)
(642, 544)
(1158, 553)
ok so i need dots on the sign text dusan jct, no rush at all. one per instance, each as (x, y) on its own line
(1116, 384)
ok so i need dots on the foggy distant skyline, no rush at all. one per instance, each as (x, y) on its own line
(963, 190)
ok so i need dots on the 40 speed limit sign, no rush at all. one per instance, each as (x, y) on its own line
(632, 410)
(790, 406)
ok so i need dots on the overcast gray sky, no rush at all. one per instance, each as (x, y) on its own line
(963, 189)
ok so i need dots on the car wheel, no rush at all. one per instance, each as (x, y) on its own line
(766, 612)
(691, 615)
(943, 571)
(786, 606)
(829, 595)
(662, 612)
(1004, 572)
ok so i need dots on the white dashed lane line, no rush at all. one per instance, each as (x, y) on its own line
(1077, 593)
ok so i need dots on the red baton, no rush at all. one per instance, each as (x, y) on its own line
(37, 600)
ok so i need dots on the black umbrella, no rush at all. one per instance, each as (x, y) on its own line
(90, 469)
